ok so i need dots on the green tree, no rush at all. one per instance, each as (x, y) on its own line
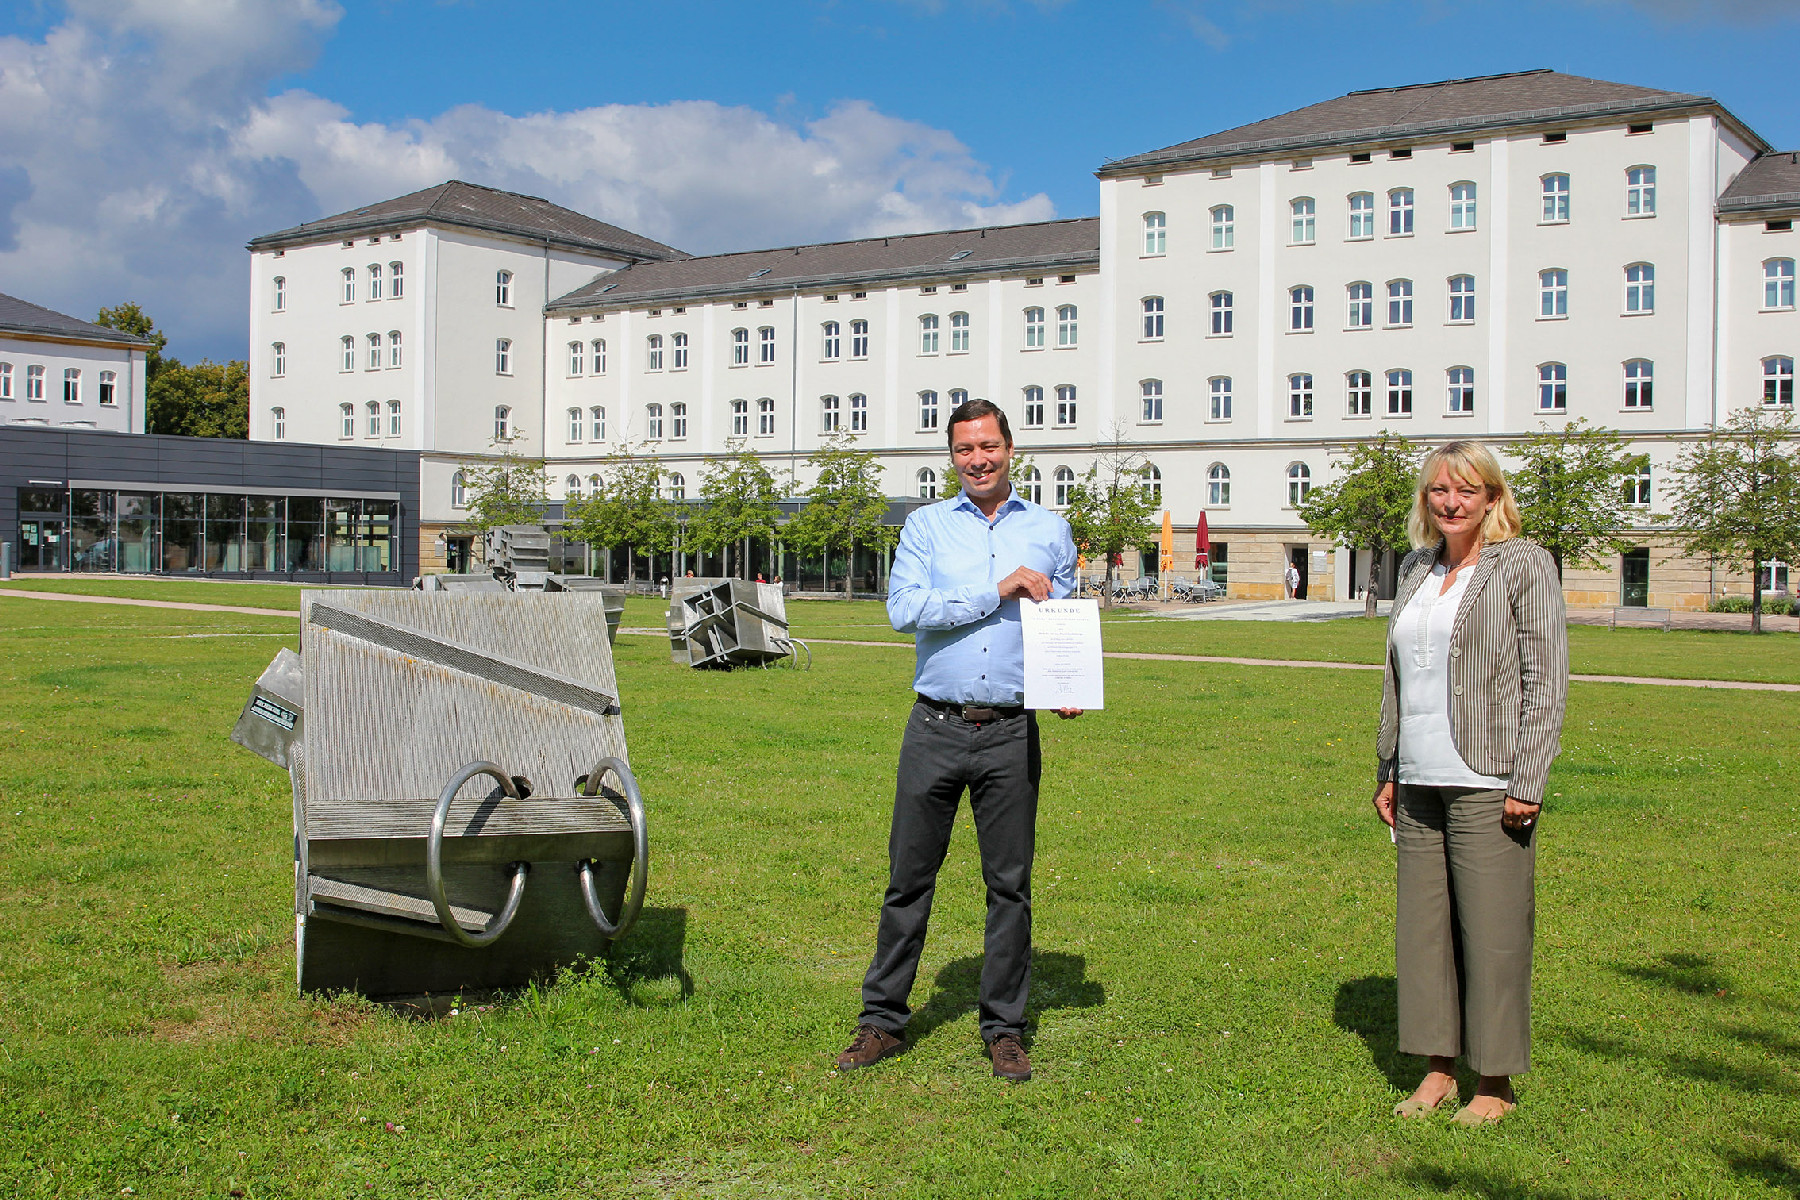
(1110, 506)
(208, 399)
(1570, 485)
(845, 505)
(1366, 506)
(130, 318)
(741, 501)
(627, 509)
(509, 489)
(1736, 496)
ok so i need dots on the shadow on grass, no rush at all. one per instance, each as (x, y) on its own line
(1691, 973)
(1770, 1167)
(653, 950)
(1467, 1181)
(1760, 1078)
(1058, 980)
(1370, 1008)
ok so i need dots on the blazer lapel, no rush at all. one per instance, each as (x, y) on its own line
(1403, 592)
(1484, 570)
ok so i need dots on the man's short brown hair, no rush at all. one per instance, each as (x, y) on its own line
(974, 410)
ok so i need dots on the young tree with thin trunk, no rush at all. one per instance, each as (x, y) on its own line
(845, 505)
(627, 509)
(1366, 506)
(1570, 485)
(1736, 496)
(508, 490)
(1110, 506)
(741, 502)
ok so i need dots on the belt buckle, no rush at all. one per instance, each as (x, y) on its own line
(979, 714)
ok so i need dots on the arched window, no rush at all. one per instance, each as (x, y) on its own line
(374, 281)
(1063, 483)
(1359, 394)
(653, 352)
(1640, 288)
(1153, 318)
(393, 412)
(1553, 387)
(859, 339)
(503, 356)
(1362, 305)
(1065, 325)
(1031, 485)
(347, 420)
(859, 413)
(740, 418)
(928, 334)
(594, 485)
(1034, 408)
(928, 411)
(346, 353)
(1300, 311)
(1151, 476)
(677, 486)
(1400, 303)
(1637, 482)
(1218, 485)
(765, 417)
(1778, 380)
(278, 359)
(829, 342)
(1556, 199)
(503, 281)
(597, 424)
(958, 398)
(1778, 283)
(1219, 387)
(678, 352)
(1462, 205)
(1065, 405)
(503, 424)
(678, 421)
(1299, 477)
(374, 352)
(1639, 378)
(459, 491)
(393, 347)
(280, 282)
(374, 411)
(1224, 226)
(598, 346)
(1034, 329)
(1462, 298)
(577, 358)
(1150, 402)
(959, 333)
(653, 422)
(1362, 216)
(278, 418)
(740, 347)
(349, 277)
(1553, 293)
(1303, 230)
(928, 484)
(1640, 191)
(572, 490)
(1156, 233)
(830, 414)
(1399, 393)
(577, 425)
(1221, 314)
(1300, 397)
(1461, 394)
(1400, 212)
(765, 338)
(396, 280)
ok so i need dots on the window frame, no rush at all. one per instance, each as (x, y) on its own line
(765, 417)
(1300, 396)
(1399, 392)
(1463, 207)
(277, 360)
(1223, 231)
(1459, 391)
(1303, 221)
(831, 345)
(765, 345)
(503, 356)
(1639, 375)
(928, 411)
(1222, 305)
(1156, 234)
(740, 346)
(1640, 289)
(1362, 217)
(1553, 294)
(1778, 284)
(959, 333)
(1640, 191)
(859, 412)
(278, 423)
(1778, 381)
(1068, 329)
(1461, 290)
(1553, 387)
(1299, 483)
(1402, 203)
(1150, 402)
(1153, 318)
(1032, 410)
(1036, 335)
(1555, 188)
(928, 334)
(1399, 304)
(859, 340)
(1300, 308)
(1362, 308)
(1218, 485)
(1067, 406)
(1218, 394)
(830, 414)
(503, 281)
(1359, 394)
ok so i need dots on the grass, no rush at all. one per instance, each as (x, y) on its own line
(1213, 998)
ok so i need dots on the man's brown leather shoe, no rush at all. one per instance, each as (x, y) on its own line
(1009, 1058)
(870, 1045)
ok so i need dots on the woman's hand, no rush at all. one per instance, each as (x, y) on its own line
(1384, 803)
(1519, 815)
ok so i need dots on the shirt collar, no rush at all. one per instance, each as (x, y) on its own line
(1013, 502)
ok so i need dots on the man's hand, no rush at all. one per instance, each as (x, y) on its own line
(1068, 714)
(1384, 804)
(1023, 583)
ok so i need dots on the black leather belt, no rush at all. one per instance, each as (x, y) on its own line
(979, 714)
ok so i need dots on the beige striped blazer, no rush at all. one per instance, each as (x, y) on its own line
(1509, 666)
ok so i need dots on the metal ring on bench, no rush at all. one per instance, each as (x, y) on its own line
(640, 851)
(434, 862)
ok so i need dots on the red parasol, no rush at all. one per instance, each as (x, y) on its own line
(1202, 545)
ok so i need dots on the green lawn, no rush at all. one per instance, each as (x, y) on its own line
(179, 591)
(1213, 999)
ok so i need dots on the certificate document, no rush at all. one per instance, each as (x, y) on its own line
(1062, 654)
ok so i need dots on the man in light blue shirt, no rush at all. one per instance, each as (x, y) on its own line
(961, 569)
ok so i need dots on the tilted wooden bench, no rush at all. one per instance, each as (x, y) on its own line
(1629, 616)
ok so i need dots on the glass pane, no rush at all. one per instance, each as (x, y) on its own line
(136, 532)
(305, 548)
(224, 533)
(183, 518)
(375, 545)
(340, 535)
(262, 533)
(43, 500)
(92, 545)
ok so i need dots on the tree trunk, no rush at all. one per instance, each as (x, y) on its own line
(1106, 598)
(1372, 580)
(1556, 557)
(849, 571)
(630, 565)
(1755, 594)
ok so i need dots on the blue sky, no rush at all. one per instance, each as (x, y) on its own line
(143, 141)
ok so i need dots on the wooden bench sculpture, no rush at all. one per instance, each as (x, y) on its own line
(724, 623)
(464, 815)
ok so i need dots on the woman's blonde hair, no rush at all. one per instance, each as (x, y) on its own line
(1470, 462)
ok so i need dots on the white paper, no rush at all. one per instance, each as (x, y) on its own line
(1063, 664)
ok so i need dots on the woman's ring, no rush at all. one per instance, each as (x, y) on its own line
(1527, 820)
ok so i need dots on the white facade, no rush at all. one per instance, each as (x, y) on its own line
(70, 381)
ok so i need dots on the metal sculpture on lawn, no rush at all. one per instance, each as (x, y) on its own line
(723, 623)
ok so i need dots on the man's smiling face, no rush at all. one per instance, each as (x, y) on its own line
(982, 457)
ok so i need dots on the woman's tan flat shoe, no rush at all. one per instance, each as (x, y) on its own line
(1470, 1117)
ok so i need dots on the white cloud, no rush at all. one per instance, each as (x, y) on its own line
(143, 150)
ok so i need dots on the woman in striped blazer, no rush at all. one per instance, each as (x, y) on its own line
(1477, 675)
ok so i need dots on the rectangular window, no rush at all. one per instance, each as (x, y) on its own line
(1400, 212)
(1359, 394)
(1221, 314)
(6, 381)
(829, 414)
(1150, 393)
(1065, 406)
(1156, 234)
(1462, 390)
(374, 340)
(1556, 200)
(1778, 283)
(576, 425)
(1638, 383)
(959, 333)
(1034, 408)
(1400, 305)
(279, 415)
(1224, 221)
(280, 293)
(1362, 305)
(597, 424)
(829, 342)
(34, 382)
(740, 347)
(1553, 293)
(1065, 326)
(1553, 387)
(1462, 206)
(1362, 216)
(71, 385)
(109, 389)
(1300, 397)
(1399, 396)
(1640, 192)
(653, 422)
(1300, 312)
(393, 418)
(374, 281)
(859, 339)
(1640, 288)
(396, 280)
(1153, 318)
(765, 417)
(928, 411)
(1220, 388)
(1462, 298)
(577, 358)
(1034, 329)
(653, 352)
(1303, 231)
(859, 413)
(503, 356)
(678, 421)
(278, 359)
(765, 338)
(678, 351)
(928, 334)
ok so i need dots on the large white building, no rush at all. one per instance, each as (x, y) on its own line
(60, 371)
(1471, 258)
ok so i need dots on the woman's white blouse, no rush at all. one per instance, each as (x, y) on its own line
(1421, 646)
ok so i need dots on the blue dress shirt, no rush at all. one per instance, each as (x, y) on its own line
(944, 588)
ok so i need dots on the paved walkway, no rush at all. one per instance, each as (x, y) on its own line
(70, 596)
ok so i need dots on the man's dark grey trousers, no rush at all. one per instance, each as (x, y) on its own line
(998, 763)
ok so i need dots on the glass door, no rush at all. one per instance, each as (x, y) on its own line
(43, 544)
(1634, 575)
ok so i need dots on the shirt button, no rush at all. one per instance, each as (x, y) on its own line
(1457, 689)
(1456, 652)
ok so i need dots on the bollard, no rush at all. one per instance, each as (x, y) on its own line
(6, 560)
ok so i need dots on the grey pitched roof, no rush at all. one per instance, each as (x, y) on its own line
(471, 206)
(959, 253)
(22, 316)
(1771, 181)
(1522, 98)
